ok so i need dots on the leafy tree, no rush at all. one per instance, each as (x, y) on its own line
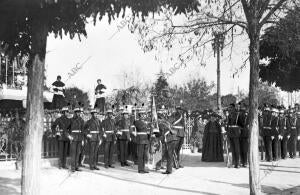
(25, 26)
(161, 91)
(280, 49)
(194, 94)
(74, 95)
(228, 99)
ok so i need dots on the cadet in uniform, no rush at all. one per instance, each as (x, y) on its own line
(282, 137)
(109, 130)
(124, 126)
(93, 134)
(61, 128)
(234, 125)
(244, 137)
(267, 133)
(142, 140)
(293, 120)
(77, 135)
(178, 124)
(275, 134)
(168, 140)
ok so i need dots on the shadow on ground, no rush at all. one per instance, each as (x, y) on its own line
(6, 186)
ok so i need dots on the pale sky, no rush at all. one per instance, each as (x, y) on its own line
(107, 57)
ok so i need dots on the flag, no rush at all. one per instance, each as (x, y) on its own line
(154, 119)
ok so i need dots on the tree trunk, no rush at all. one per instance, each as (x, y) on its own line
(254, 179)
(218, 79)
(35, 112)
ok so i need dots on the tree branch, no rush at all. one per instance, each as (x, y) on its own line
(271, 12)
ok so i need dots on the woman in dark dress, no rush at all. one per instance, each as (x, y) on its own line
(212, 141)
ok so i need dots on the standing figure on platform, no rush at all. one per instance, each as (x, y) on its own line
(212, 150)
(142, 140)
(100, 99)
(267, 132)
(77, 135)
(178, 125)
(244, 137)
(94, 137)
(61, 128)
(109, 137)
(124, 126)
(58, 88)
(234, 125)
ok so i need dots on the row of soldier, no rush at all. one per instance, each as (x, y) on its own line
(133, 130)
(279, 131)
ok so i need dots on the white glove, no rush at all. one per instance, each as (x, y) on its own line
(104, 135)
(70, 137)
(58, 133)
(272, 137)
(280, 137)
(298, 137)
(223, 129)
(82, 142)
(288, 136)
(89, 135)
(100, 142)
(119, 133)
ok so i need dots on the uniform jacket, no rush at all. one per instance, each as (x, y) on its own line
(62, 126)
(266, 124)
(244, 124)
(275, 126)
(142, 129)
(179, 122)
(234, 124)
(124, 127)
(283, 131)
(77, 124)
(164, 127)
(109, 129)
(93, 128)
(292, 125)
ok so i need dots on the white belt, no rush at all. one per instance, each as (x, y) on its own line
(233, 126)
(293, 127)
(178, 127)
(124, 130)
(99, 96)
(141, 133)
(58, 93)
(94, 131)
(109, 131)
(76, 131)
(267, 128)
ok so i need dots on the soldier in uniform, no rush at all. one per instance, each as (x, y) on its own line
(77, 135)
(275, 134)
(61, 128)
(142, 140)
(234, 125)
(178, 124)
(93, 134)
(293, 120)
(267, 132)
(124, 126)
(109, 136)
(282, 134)
(169, 138)
(244, 137)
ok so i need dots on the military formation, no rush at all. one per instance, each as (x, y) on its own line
(279, 132)
(126, 131)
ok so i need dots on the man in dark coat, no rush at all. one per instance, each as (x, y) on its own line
(267, 132)
(283, 134)
(100, 100)
(244, 137)
(58, 100)
(94, 137)
(76, 137)
(142, 140)
(275, 134)
(178, 124)
(124, 125)
(293, 121)
(61, 128)
(109, 136)
(234, 125)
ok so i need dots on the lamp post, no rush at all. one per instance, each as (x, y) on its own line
(218, 45)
